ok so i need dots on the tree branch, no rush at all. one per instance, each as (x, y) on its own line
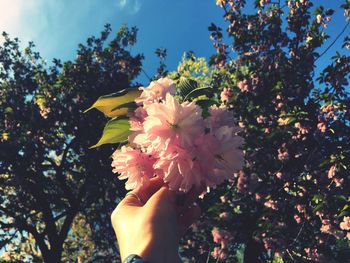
(22, 224)
(61, 179)
(67, 223)
(36, 190)
(334, 41)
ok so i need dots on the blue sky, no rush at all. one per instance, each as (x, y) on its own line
(57, 26)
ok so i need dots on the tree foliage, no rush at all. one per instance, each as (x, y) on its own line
(48, 174)
(291, 201)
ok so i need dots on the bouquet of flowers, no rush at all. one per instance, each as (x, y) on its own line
(183, 139)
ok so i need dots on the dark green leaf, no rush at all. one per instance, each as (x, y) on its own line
(110, 104)
(186, 86)
(115, 131)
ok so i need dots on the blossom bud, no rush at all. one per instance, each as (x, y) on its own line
(279, 175)
(322, 127)
(319, 19)
(332, 171)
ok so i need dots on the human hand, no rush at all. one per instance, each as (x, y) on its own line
(149, 222)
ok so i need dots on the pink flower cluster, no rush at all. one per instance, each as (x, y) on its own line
(345, 225)
(223, 238)
(225, 95)
(302, 131)
(172, 140)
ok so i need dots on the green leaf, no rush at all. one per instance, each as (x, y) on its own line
(186, 86)
(237, 210)
(324, 163)
(197, 92)
(346, 207)
(129, 105)
(205, 104)
(318, 207)
(344, 167)
(343, 213)
(116, 130)
(214, 209)
(273, 136)
(8, 110)
(317, 198)
(340, 198)
(329, 12)
(212, 27)
(116, 104)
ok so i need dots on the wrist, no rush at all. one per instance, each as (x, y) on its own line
(151, 252)
(160, 254)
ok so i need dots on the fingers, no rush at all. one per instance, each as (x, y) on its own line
(140, 196)
(146, 192)
(189, 216)
(132, 199)
(164, 196)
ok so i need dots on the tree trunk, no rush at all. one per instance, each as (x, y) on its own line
(53, 255)
(252, 252)
(254, 248)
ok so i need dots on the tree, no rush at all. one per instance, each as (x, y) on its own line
(291, 201)
(48, 174)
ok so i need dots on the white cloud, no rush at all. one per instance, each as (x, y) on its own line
(50, 24)
(56, 27)
(10, 11)
(122, 3)
(13, 14)
(132, 6)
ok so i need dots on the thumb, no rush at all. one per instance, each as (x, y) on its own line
(140, 195)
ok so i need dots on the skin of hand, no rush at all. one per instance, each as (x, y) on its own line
(152, 228)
